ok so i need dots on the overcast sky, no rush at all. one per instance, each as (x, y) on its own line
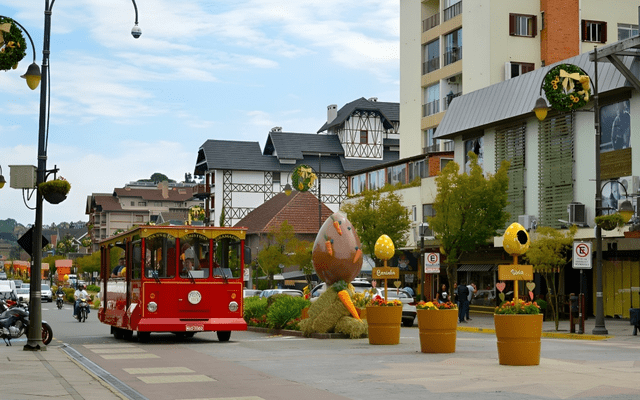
(122, 109)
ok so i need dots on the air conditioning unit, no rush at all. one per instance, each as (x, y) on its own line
(577, 214)
(631, 183)
(425, 231)
(529, 222)
(454, 80)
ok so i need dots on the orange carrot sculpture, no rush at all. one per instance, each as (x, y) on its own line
(343, 295)
(337, 225)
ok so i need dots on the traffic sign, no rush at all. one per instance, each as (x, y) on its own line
(432, 263)
(582, 255)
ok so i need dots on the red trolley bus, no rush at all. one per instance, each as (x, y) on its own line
(180, 279)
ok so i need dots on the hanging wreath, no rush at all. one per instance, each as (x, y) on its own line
(13, 47)
(197, 213)
(303, 178)
(567, 87)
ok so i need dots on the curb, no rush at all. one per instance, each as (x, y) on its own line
(285, 332)
(555, 335)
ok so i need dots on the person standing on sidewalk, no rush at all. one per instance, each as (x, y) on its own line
(463, 301)
(472, 291)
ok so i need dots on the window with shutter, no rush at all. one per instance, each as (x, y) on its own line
(594, 31)
(523, 25)
(510, 146)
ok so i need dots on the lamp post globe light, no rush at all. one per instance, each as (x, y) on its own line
(34, 77)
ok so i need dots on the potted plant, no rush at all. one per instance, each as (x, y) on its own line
(518, 327)
(610, 222)
(55, 191)
(438, 324)
(384, 319)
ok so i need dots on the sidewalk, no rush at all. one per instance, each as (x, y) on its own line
(28, 375)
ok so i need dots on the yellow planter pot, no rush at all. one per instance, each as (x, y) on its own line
(438, 330)
(518, 338)
(384, 324)
(362, 313)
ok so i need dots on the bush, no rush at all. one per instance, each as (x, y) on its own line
(93, 288)
(285, 312)
(255, 311)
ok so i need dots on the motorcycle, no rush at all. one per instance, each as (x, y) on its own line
(14, 322)
(60, 301)
(83, 310)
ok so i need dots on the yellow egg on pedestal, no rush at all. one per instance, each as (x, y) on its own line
(384, 248)
(516, 240)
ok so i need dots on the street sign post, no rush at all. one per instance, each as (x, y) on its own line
(582, 255)
(432, 263)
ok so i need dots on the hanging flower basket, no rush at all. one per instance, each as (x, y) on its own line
(12, 44)
(55, 191)
(610, 222)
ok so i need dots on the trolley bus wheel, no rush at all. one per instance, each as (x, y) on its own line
(117, 333)
(224, 336)
(127, 334)
(144, 337)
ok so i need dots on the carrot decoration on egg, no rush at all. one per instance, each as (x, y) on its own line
(328, 244)
(357, 255)
(337, 225)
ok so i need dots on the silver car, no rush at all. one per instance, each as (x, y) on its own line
(408, 304)
(45, 293)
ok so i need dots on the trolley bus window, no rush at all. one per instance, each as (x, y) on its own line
(194, 257)
(227, 258)
(160, 257)
(137, 261)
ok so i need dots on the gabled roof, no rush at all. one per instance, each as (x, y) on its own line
(106, 203)
(390, 112)
(516, 97)
(300, 210)
(231, 154)
(287, 145)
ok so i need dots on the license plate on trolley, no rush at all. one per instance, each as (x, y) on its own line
(195, 328)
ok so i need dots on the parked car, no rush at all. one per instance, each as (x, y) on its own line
(251, 293)
(45, 293)
(3, 275)
(291, 292)
(409, 312)
(360, 285)
(18, 283)
(23, 294)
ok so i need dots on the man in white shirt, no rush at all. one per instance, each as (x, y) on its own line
(79, 294)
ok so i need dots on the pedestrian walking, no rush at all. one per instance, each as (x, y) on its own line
(472, 291)
(463, 302)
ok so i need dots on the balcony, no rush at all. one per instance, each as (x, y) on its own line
(201, 191)
(431, 108)
(430, 22)
(449, 98)
(452, 11)
(431, 65)
(455, 54)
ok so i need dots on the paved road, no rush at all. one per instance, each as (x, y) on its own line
(261, 366)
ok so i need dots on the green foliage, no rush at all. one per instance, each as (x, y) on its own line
(223, 216)
(157, 177)
(254, 308)
(283, 248)
(284, 310)
(542, 304)
(93, 288)
(375, 214)
(66, 245)
(59, 185)
(610, 221)
(469, 209)
(549, 253)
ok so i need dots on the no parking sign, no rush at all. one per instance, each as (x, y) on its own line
(581, 255)
(432, 263)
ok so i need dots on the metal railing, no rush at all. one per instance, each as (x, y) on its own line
(430, 22)
(455, 54)
(452, 11)
(430, 65)
(431, 108)
(448, 99)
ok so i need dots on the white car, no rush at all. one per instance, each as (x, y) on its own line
(359, 285)
(24, 294)
(45, 293)
(291, 292)
(409, 312)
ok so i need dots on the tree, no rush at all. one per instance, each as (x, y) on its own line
(222, 216)
(158, 177)
(66, 246)
(549, 253)
(284, 249)
(469, 210)
(375, 214)
(302, 257)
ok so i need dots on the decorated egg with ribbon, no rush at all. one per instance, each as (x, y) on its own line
(384, 248)
(516, 240)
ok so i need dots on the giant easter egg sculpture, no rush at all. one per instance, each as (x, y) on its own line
(337, 252)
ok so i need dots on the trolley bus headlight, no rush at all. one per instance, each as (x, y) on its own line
(233, 306)
(152, 306)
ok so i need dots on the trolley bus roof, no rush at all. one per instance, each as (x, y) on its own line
(209, 232)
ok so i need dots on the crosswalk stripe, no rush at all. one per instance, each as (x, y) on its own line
(175, 378)
(158, 370)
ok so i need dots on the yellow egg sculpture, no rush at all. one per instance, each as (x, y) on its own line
(384, 248)
(516, 240)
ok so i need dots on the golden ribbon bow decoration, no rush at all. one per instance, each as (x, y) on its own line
(307, 173)
(584, 80)
(6, 27)
(567, 82)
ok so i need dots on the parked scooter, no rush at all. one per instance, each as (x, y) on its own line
(83, 310)
(60, 300)
(14, 322)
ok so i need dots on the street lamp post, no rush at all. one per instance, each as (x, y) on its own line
(34, 338)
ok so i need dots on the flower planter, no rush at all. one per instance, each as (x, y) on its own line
(384, 324)
(362, 313)
(55, 197)
(518, 338)
(438, 330)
